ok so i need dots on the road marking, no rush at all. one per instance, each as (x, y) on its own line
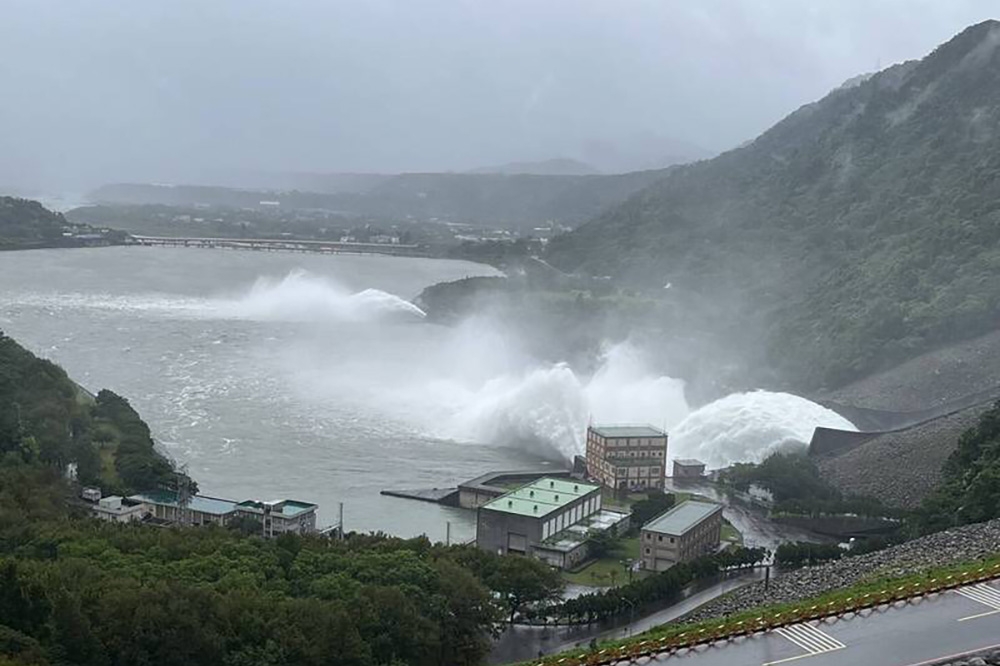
(810, 639)
(981, 594)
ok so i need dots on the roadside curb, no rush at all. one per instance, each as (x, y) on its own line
(726, 631)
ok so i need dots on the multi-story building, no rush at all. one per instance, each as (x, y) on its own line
(278, 518)
(687, 531)
(275, 517)
(551, 519)
(632, 457)
(167, 506)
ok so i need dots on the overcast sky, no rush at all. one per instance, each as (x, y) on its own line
(186, 90)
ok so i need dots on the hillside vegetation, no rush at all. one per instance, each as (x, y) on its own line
(858, 232)
(74, 590)
(47, 419)
(26, 223)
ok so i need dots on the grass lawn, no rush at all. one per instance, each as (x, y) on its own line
(730, 533)
(608, 571)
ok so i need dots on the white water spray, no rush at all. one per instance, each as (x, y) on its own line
(303, 297)
(748, 427)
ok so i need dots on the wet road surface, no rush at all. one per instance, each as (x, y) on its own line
(920, 631)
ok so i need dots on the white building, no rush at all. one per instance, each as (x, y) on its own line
(115, 509)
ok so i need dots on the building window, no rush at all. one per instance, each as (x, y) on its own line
(659, 537)
(647, 551)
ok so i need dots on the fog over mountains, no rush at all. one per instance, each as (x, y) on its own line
(857, 232)
(195, 92)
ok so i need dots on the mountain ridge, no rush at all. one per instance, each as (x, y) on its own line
(855, 233)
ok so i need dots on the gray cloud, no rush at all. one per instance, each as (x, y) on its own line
(186, 90)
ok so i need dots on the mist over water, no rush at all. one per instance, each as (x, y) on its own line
(474, 383)
(315, 377)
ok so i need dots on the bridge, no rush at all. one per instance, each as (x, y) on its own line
(282, 245)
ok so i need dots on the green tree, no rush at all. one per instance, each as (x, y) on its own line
(523, 580)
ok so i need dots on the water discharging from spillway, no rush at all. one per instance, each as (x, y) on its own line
(748, 427)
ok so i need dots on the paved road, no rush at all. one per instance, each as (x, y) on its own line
(520, 643)
(919, 632)
(752, 521)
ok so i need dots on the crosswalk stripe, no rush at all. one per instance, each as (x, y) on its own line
(793, 639)
(830, 641)
(808, 637)
(990, 592)
(980, 597)
(805, 642)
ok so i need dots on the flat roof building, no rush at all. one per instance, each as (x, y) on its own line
(280, 517)
(276, 517)
(627, 456)
(687, 531)
(549, 518)
(688, 468)
(117, 509)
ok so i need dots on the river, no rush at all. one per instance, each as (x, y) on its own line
(270, 374)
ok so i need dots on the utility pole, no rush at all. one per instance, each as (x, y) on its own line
(341, 519)
(447, 534)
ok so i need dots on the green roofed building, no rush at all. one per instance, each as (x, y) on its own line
(549, 518)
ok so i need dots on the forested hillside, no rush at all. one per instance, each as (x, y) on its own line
(47, 419)
(74, 590)
(26, 223)
(856, 233)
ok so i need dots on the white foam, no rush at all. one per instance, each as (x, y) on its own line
(303, 297)
(748, 427)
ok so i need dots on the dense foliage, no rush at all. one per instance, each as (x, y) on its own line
(801, 553)
(970, 491)
(789, 476)
(656, 587)
(858, 232)
(645, 510)
(45, 417)
(74, 590)
(27, 224)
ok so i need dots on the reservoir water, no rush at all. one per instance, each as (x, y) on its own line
(269, 374)
(313, 377)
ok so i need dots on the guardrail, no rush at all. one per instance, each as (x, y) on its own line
(726, 631)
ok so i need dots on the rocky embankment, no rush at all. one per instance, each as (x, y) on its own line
(985, 658)
(902, 467)
(957, 545)
(934, 378)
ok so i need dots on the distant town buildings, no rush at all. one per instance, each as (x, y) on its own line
(627, 457)
(688, 468)
(687, 531)
(551, 519)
